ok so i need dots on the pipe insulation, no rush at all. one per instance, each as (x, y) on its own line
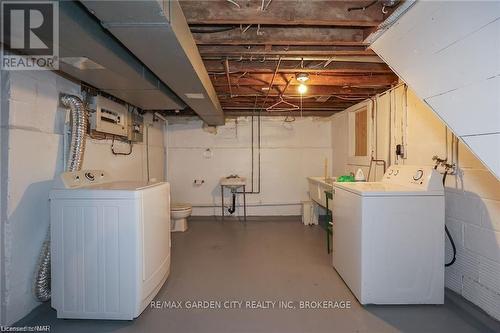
(78, 116)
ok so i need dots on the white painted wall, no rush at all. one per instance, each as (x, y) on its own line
(290, 153)
(340, 140)
(449, 53)
(386, 132)
(32, 143)
(472, 201)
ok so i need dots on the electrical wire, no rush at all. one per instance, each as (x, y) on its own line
(453, 246)
(362, 8)
(448, 232)
(234, 3)
(202, 30)
(121, 153)
(263, 7)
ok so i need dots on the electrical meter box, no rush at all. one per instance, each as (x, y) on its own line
(136, 127)
(108, 116)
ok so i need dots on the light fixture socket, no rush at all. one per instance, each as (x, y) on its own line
(302, 77)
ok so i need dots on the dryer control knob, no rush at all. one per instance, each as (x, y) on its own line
(418, 174)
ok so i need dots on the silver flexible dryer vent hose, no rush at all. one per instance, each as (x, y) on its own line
(42, 275)
(78, 131)
(77, 148)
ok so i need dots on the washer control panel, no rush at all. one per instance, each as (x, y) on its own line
(423, 177)
(82, 178)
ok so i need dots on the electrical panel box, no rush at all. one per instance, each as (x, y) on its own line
(108, 116)
(136, 127)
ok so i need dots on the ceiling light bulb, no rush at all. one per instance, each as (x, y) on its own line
(302, 88)
(302, 77)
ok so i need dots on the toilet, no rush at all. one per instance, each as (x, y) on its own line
(179, 212)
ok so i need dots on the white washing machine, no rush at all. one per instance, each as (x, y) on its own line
(110, 245)
(388, 237)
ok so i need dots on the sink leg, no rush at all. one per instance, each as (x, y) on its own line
(222, 200)
(244, 203)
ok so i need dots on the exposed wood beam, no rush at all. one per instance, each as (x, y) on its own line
(284, 36)
(244, 111)
(251, 91)
(295, 99)
(311, 106)
(218, 51)
(288, 53)
(285, 49)
(305, 113)
(282, 12)
(323, 80)
(215, 66)
(306, 102)
(304, 57)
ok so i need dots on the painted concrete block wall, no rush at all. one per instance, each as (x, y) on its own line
(290, 152)
(33, 133)
(472, 199)
(4, 120)
(449, 53)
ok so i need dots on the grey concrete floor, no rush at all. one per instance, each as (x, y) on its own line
(268, 259)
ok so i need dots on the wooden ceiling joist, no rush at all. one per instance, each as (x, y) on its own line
(359, 50)
(305, 113)
(251, 91)
(214, 51)
(256, 66)
(305, 106)
(269, 35)
(282, 12)
(257, 79)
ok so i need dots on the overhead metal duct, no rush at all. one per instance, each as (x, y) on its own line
(90, 53)
(158, 34)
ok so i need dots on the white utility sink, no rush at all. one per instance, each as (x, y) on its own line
(317, 188)
(233, 181)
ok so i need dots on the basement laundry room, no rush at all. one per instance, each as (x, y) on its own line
(250, 166)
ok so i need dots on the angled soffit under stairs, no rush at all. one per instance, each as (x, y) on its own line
(449, 53)
(158, 34)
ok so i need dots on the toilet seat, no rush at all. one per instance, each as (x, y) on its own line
(180, 206)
